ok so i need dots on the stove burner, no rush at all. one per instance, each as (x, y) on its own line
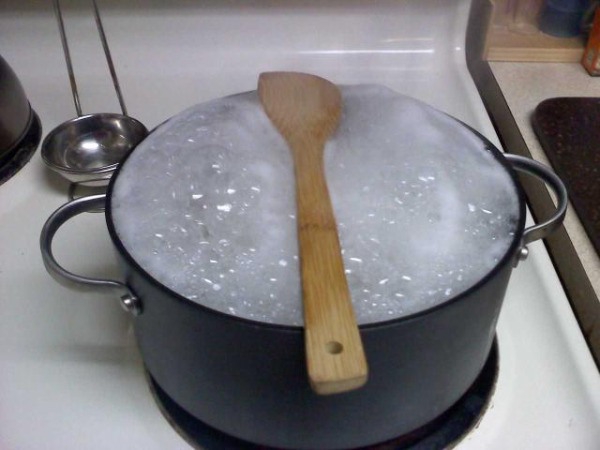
(443, 432)
(15, 159)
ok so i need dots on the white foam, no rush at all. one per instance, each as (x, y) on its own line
(206, 206)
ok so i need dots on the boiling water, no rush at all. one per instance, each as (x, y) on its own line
(206, 205)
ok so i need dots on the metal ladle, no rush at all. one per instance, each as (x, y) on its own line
(87, 150)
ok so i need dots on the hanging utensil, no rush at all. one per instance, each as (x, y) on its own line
(306, 110)
(87, 150)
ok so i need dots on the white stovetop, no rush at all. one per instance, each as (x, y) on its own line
(70, 374)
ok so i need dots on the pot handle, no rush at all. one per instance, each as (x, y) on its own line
(543, 229)
(129, 300)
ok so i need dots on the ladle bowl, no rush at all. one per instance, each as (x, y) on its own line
(88, 149)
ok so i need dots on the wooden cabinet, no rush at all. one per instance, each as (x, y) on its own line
(514, 36)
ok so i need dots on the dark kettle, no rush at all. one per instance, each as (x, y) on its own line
(16, 115)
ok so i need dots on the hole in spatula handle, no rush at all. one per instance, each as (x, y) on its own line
(334, 347)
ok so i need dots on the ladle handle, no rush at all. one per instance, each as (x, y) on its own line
(109, 61)
(67, 53)
(65, 47)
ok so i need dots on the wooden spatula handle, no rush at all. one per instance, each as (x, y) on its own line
(335, 356)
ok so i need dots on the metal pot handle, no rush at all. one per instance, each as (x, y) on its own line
(129, 300)
(543, 229)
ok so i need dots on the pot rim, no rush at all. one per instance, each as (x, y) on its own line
(507, 258)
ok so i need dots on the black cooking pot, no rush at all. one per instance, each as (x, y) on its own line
(248, 378)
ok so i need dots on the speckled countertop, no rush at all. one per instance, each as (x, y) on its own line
(524, 86)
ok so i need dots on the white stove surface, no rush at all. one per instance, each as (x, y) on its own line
(70, 373)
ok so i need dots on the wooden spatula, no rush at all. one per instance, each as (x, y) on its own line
(306, 110)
